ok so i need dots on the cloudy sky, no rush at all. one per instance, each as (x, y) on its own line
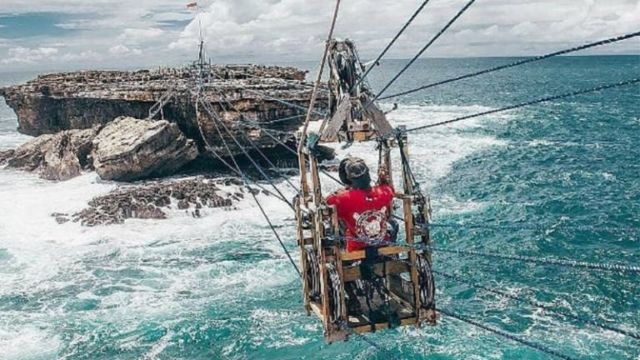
(70, 34)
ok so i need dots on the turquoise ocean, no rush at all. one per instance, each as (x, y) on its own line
(555, 180)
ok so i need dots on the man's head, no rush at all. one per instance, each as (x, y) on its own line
(356, 172)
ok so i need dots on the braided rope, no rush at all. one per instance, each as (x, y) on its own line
(517, 63)
(532, 102)
(546, 261)
(507, 335)
(540, 305)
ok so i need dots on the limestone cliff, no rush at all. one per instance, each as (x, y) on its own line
(81, 100)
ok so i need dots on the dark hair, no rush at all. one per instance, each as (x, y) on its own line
(342, 172)
(363, 182)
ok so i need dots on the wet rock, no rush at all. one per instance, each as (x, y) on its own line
(5, 156)
(60, 156)
(183, 204)
(152, 201)
(79, 100)
(131, 149)
(61, 218)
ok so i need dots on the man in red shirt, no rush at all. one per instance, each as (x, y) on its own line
(363, 210)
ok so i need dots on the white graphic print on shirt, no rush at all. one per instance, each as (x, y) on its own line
(371, 224)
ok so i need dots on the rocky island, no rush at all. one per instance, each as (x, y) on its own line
(140, 125)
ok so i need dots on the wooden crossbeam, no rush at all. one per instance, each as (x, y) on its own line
(391, 267)
(361, 254)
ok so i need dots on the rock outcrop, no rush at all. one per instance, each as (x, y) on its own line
(80, 100)
(59, 156)
(154, 200)
(130, 149)
(5, 155)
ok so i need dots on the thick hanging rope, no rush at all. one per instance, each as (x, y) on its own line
(545, 261)
(517, 63)
(528, 103)
(539, 228)
(539, 305)
(316, 85)
(251, 142)
(538, 260)
(219, 121)
(245, 180)
(284, 102)
(506, 335)
(383, 53)
(442, 31)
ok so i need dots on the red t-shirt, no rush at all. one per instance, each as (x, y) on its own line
(365, 212)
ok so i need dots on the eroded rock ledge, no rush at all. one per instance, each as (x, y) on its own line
(155, 200)
(65, 103)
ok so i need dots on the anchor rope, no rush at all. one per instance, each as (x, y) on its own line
(245, 180)
(517, 63)
(383, 53)
(237, 171)
(506, 335)
(540, 228)
(528, 103)
(633, 269)
(545, 261)
(540, 305)
(215, 119)
(252, 143)
(433, 40)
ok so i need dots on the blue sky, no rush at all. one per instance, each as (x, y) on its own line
(73, 34)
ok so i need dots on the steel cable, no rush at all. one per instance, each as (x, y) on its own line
(255, 198)
(442, 31)
(546, 261)
(516, 63)
(382, 54)
(506, 335)
(215, 119)
(539, 305)
(528, 103)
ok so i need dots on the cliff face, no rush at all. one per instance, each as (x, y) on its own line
(81, 100)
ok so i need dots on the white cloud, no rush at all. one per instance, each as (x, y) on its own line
(280, 30)
(296, 28)
(29, 55)
(124, 50)
(140, 35)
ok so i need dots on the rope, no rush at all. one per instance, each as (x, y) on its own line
(316, 85)
(541, 228)
(237, 171)
(532, 102)
(215, 119)
(546, 261)
(517, 63)
(507, 335)
(284, 102)
(273, 229)
(442, 31)
(251, 142)
(245, 181)
(404, 27)
(539, 305)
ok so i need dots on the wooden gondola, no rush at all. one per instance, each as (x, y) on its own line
(391, 284)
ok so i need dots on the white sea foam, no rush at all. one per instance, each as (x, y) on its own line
(11, 140)
(27, 342)
(85, 263)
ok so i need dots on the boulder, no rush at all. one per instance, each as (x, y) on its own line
(54, 157)
(129, 149)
